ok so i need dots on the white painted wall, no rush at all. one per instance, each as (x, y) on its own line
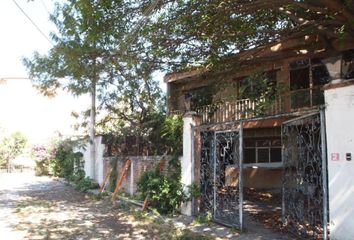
(99, 165)
(340, 140)
(186, 159)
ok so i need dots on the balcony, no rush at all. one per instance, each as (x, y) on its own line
(306, 98)
(239, 109)
(229, 111)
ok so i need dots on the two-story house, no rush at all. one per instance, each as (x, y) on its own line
(264, 88)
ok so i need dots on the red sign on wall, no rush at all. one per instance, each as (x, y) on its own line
(334, 156)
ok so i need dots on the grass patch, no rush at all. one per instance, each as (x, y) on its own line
(202, 219)
(100, 196)
(141, 215)
(33, 204)
(234, 230)
(121, 205)
(189, 235)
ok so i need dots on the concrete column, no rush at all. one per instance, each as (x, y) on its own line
(340, 151)
(97, 173)
(190, 119)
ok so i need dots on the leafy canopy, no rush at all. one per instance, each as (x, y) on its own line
(192, 33)
(96, 49)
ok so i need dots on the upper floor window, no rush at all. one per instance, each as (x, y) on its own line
(249, 85)
(306, 77)
(198, 97)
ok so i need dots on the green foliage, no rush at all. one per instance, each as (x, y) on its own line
(77, 176)
(190, 235)
(84, 184)
(261, 90)
(202, 219)
(11, 146)
(202, 33)
(193, 191)
(57, 158)
(165, 193)
(100, 196)
(42, 156)
(95, 50)
(202, 97)
(65, 159)
(81, 182)
(171, 132)
(140, 215)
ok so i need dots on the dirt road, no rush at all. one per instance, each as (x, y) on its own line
(42, 208)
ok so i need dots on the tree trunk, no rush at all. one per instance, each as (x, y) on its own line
(92, 131)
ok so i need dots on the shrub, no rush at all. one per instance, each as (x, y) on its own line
(65, 159)
(42, 157)
(165, 193)
(84, 184)
(171, 132)
(81, 182)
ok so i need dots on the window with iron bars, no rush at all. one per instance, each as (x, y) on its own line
(262, 150)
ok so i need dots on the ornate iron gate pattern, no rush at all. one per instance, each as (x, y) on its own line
(304, 178)
(220, 161)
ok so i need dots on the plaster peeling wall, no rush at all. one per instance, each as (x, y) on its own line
(340, 141)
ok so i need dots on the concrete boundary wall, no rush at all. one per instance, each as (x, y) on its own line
(139, 164)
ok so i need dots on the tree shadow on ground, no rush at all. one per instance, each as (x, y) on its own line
(55, 211)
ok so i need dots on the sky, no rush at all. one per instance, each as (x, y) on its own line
(23, 108)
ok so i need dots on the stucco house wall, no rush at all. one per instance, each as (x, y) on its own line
(340, 150)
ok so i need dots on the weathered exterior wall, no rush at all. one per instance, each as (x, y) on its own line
(340, 141)
(262, 178)
(177, 90)
(139, 164)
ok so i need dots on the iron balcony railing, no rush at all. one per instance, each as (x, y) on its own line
(229, 111)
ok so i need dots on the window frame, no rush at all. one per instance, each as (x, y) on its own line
(310, 93)
(268, 164)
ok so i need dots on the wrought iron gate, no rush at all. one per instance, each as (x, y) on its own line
(221, 176)
(305, 176)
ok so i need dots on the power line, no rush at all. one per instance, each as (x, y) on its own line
(45, 7)
(33, 23)
(143, 20)
(140, 23)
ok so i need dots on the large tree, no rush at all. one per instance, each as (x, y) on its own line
(191, 33)
(94, 49)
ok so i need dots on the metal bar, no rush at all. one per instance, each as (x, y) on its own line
(283, 172)
(313, 113)
(214, 176)
(241, 175)
(225, 131)
(324, 174)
